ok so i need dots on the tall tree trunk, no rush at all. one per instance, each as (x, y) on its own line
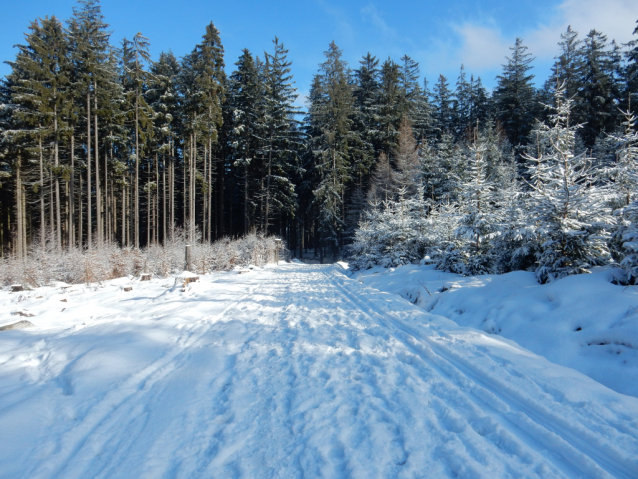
(19, 230)
(58, 222)
(124, 215)
(205, 196)
(246, 222)
(164, 200)
(72, 195)
(51, 201)
(80, 219)
(192, 189)
(157, 190)
(186, 192)
(267, 222)
(98, 194)
(42, 234)
(137, 173)
(107, 222)
(89, 219)
(210, 186)
(172, 180)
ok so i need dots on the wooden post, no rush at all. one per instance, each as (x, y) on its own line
(187, 258)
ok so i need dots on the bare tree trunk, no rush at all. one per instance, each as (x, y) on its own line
(205, 197)
(51, 201)
(19, 231)
(42, 235)
(58, 222)
(149, 208)
(210, 186)
(72, 195)
(89, 219)
(192, 189)
(107, 229)
(80, 219)
(172, 181)
(246, 221)
(98, 194)
(268, 186)
(24, 221)
(157, 190)
(124, 216)
(164, 201)
(186, 192)
(137, 174)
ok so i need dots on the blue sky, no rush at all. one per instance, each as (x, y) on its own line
(439, 35)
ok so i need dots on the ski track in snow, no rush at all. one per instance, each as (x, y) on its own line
(291, 371)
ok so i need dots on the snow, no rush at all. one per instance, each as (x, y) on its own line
(583, 322)
(290, 371)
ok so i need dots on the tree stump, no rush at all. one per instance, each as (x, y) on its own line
(15, 288)
(128, 288)
(145, 277)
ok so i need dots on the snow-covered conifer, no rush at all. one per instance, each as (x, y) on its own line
(567, 211)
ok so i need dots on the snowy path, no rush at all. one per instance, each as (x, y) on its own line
(290, 371)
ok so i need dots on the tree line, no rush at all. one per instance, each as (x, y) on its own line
(102, 144)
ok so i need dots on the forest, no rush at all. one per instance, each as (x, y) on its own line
(103, 146)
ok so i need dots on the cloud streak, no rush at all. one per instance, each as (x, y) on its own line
(484, 47)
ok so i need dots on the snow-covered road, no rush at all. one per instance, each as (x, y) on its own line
(289, 371)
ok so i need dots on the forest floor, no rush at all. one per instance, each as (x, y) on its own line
(292, 370)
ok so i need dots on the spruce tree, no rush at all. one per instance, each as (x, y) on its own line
(444, 108)
(330, 122)
(281, 137)
(134, 62)
(514, 95)
(570, 219)
(599, 92)
(391, 103)
(246, 103)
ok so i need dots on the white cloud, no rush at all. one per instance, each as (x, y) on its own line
(614, 18)
(484, 47)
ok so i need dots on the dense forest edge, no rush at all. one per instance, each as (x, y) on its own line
(106, 152)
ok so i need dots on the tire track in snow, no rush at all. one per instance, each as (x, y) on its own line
(539, 423)
(80, 443)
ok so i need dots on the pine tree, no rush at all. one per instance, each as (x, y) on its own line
(41, 72)
(280, 135)
(481, 220)
(391, 103)
(203, 84)
(330, 122)
(95, 70)
(463, 108)
(569, 215)
(567, 69)
(163, 99)
(408, 175)
(423, 115)
(409, 85)
(514, 95)
(628, 236)
(599, 93)
(365, 119)
(246, 103)
(444, 109)
(631, 72)
(135, 57)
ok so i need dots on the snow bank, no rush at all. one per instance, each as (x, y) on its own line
(583, 322)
